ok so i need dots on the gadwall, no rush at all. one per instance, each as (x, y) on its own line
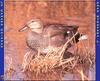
(44, 37)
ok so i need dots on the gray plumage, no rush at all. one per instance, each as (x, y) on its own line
(54, 35)
(49, 35)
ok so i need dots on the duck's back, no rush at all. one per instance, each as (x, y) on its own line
(54, 29)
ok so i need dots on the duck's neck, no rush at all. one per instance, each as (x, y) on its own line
(39, 31)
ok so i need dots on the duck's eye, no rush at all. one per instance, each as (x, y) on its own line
(68, 32)
(32, 21)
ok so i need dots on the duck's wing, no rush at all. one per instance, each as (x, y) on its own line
(54, 29)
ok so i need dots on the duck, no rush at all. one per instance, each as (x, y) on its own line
(49, 36)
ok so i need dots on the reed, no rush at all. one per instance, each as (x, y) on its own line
(54, 60)
(53, 65)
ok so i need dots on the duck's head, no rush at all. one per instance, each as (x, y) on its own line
(34, 24)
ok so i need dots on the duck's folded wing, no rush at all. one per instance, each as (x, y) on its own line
(53, 30)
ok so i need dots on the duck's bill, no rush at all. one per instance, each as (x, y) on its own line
(23, 29)
(83, 37)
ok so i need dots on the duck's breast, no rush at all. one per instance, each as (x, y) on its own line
(36, 41)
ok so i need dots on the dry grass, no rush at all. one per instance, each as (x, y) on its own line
(54, 60)
(51, 60)
(8, 67)
(52, 66)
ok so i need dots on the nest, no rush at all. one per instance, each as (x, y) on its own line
(53, 65)
(54, 60)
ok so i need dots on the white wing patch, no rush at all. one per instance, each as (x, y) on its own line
(84, 37)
